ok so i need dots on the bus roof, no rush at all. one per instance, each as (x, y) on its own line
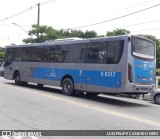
(71, 41)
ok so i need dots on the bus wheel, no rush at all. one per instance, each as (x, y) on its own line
(17, 78)
(157, 99)
(92, 94)
(68, 87)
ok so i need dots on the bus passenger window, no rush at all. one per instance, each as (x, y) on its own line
(35, 54)
(55, 53)
(93, 53)
(76, 53)
(21, 54)
(114, 51)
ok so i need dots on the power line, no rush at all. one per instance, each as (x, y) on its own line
(116, 17)
(124, 9)
(26, 10)
(5, 25)
(11, 25)
(151, 21)
(22, 12)
(141, 30)
(146, 29)
(47, 2)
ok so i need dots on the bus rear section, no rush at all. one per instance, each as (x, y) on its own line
(141, 66)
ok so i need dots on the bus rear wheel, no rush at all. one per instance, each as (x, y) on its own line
(68, 87)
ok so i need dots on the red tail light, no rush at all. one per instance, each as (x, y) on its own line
(130, 73)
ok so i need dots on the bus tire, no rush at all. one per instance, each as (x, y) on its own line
(157, 99)
(17, 79)
(68, 87)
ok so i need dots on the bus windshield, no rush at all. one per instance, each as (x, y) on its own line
(143, 48)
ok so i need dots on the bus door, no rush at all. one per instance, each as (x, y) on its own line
(101, 70)
(81, 81)
(76, 65)
(36, 70)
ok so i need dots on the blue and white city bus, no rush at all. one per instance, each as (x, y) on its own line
(117, 64)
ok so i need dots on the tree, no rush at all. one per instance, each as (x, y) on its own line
(90, 34)
(71, 33)
(2, 53)
(117, 32)
(158, 56)
(45, 33)
(48, 33)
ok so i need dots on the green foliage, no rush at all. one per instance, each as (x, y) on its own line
(117, 32)
(90, 34)
(158, 56)
(45, 33)
(157, 72)
(48, 33)
(158, 82)
(2, 53)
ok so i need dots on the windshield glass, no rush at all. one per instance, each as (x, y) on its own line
(143, 48)
(9, 56)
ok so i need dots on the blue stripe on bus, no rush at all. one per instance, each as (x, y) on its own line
(90, 77)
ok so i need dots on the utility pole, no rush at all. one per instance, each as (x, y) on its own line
(38, 18)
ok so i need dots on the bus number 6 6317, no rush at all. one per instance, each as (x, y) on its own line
(108, 73)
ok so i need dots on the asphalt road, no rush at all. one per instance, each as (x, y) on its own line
(30, 108)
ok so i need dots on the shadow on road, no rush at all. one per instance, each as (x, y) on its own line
(105, 99)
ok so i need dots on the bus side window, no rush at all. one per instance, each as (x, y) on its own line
(55, 53)
(114, 51)
(83, 53)
(21, 54)
(48, 50)
(102, 54)
(93, 53)
(35, 54)
(87, 55)
(75, 51)
(96, 52)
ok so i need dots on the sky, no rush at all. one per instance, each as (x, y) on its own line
(123, 14)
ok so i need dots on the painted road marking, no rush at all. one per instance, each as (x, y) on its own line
(108, 111)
